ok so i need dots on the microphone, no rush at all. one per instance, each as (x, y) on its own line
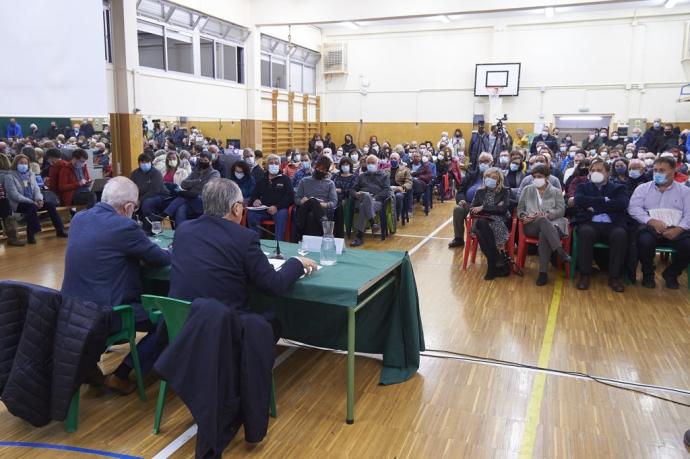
(275, 255)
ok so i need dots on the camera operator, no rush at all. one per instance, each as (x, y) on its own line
(499, 139)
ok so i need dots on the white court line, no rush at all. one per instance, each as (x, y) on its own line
(191, 432)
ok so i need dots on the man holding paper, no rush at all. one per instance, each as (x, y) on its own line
(662, 206)
(271, 199)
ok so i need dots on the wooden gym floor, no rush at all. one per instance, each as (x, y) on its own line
(451, 408)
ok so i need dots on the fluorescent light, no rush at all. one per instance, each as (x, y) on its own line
(580, 118)
(670, 3)
(549, 11)
(350, 25)
(443, 18)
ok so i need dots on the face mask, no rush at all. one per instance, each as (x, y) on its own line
(659, 178)
(348, 141)
(656, 125)
(648, 162)
(172, 163)
(306, 164)
(563, 149)
(514, 167)
(249, 160)
(544, 134)
(23, 168)
(596, 177)
(667, 133)
(365, 150)
(295, 159)
(591, 137)
(273, 169)
(539, 182)
(636, 136)
(483, 167)
(568, 139)
(372, 167)
(394, 164)
(145, 167)
(490, 183)
(375, 148)
(345, 169)
(629, 155)
(603, 135)
(571, 154)
(204, 165)
(620, 170)
(425, 159)
(614, 137)
(634, 173)
(440, 157)
(504, 160)
(354, 157)
(239, 175)
(537, 163)
(193, 160)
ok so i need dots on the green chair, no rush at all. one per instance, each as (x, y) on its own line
(573, 254)
(389, 226)
(175, 313)
(127, 333)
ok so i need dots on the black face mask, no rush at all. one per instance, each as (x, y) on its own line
(204, 165)
(319, 175)
(667, 133)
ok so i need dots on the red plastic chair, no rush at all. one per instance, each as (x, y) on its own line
(524, 241)
(471, 242)
(288, 226)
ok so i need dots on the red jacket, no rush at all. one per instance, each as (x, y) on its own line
(68, 184)
(53, 182)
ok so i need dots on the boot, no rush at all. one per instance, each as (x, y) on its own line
(10, 225)
(503, 265)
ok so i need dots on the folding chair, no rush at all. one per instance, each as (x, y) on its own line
(524, 241)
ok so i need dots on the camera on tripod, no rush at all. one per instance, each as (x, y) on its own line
(499, 124)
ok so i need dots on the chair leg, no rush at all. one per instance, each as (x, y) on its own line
(272, 407)
(522, 253)
(137, 366)
(474, 245)
(72, 419)
(160, 403)
(573, 255)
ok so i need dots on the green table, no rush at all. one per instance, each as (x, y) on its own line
(314, 309)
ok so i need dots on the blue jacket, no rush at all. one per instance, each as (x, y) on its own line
(103, 257)
(13, 131)
(216, 258)
(588, 195)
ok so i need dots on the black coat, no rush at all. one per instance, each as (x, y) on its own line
(48, 344)
(221, 367)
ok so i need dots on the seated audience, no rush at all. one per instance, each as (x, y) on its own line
(187, 204)
(489, 208)
(9, 224)
(400, 181)
(74, 182)
(348, 147)
(228, 259)
(304, 171)
(541, 210)
(276, 193)
(421, 173)
(176, 170)
(152, 192)
(242, 176)
(600, 217)
(465, 195)
(539, 160)
(256, 171)
(25, 196)
(103, 262)
(345, 179)
(316, 199)
(371, 190)
(662, 208)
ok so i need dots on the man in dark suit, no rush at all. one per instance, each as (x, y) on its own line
(216, 257)
(102, 264)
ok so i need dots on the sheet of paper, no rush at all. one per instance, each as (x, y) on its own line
(257, 208)
(670, 217)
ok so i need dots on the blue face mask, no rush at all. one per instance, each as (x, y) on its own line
(483, 167)
(145, 167)
(490, 183)
(394, 164)
(273, 169)
(659, 178)
(621, 170)
(634, 173)
(306, 164)
(538, 163)
(372, 167)
(514, 167)
(23, 168)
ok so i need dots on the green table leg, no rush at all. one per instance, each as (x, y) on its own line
(350, 366)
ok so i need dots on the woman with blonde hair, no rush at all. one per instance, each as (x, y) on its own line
(490, 211)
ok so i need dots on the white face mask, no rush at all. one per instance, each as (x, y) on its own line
(629, 155)
(425, 159)
(539, 182)
(249, 160)
(239, 175)
(614, 137)
(172, 163)
(648, 162)
(597, 177)
(354, 157)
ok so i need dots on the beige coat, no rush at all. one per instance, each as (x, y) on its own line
(552, 204)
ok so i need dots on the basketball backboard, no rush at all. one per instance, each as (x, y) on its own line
(504, 76)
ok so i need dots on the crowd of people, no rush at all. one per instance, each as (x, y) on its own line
(627, 191)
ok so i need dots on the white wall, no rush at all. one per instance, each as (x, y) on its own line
(608, 66)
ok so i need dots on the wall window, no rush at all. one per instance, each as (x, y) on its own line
(278, 56)
(265, 70)
(309, 80)
(295, 77)
(226, 62)
(151, 45)
(278, 73)
(180, 57)
(207, 68)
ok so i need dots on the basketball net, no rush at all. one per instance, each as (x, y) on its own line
(495, 103)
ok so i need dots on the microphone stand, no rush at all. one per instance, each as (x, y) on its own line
(275, 255)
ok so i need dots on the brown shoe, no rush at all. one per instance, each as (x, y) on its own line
(616, 284)
(123, 386)
(95, 378)
(583, 283)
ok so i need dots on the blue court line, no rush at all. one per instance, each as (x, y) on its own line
(75, 449)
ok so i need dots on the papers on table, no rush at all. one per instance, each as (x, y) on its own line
(314, 244)
(670, 217)
(257, 208)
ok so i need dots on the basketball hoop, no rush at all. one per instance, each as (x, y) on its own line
(494, 92)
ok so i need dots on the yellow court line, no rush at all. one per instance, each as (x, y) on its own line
(529, 436)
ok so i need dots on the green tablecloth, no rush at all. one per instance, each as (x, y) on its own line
(313, 310)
